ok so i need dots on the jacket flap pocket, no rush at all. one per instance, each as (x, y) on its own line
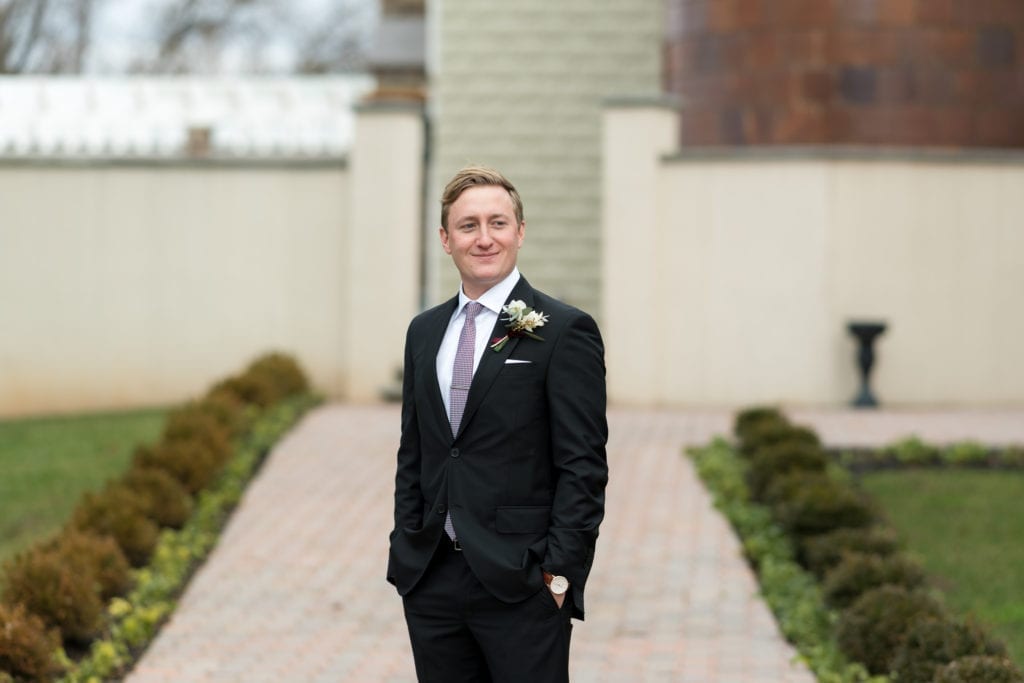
(522, 519)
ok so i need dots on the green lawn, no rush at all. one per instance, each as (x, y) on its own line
(46, 463)
(968, 528)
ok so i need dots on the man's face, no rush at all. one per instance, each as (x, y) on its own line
(483, 237)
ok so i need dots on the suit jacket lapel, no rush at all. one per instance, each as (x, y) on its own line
(492, 362)
(434, 338)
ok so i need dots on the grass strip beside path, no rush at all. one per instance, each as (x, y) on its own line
(46, 463)
(967, 526)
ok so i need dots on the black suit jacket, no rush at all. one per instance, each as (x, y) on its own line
(525, 476)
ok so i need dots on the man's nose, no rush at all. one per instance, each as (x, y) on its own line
(484, 237)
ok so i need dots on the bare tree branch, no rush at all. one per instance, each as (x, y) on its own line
(190, 36)
(44, 36)
(21, 23)
(336, 44)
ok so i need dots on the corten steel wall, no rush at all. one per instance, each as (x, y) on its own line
(139, 283)
(876, 72)
(748, 263)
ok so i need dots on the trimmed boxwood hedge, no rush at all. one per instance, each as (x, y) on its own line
(912, 451)
(26, 646)
(979, 669)
(856, 574)
(162, 516)
(931, 644)
(790, 591)
(815, 526)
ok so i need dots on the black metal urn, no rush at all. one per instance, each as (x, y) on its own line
(865, 332)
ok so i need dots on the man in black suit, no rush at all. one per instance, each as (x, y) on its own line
(499, 490)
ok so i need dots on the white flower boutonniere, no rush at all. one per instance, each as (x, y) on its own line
(520, 321)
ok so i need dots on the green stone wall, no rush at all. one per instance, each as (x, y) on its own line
(519, 86)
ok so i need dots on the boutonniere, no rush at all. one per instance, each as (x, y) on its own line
(520, 321)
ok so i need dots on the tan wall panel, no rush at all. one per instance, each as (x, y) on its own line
(128, 285)
(938, 250)
(747, 277)
(751, 300)
(384, 251)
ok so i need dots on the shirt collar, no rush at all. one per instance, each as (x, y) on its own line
(494, 298)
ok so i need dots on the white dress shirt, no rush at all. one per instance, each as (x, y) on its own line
(492, 300)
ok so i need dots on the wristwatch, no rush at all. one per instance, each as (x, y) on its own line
(558, 585)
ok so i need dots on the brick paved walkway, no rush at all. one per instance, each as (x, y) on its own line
(295, 589)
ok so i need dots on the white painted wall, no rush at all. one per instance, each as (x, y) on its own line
(126, 284)
(744, 274)
(384, 246)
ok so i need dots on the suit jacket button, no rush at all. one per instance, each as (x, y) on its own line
(455, 452)
(441, 509)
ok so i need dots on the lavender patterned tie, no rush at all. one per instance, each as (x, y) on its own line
(462, 376)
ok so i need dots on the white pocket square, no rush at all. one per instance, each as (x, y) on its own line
(514, 361)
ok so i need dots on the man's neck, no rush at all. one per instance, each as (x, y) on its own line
(496, 296)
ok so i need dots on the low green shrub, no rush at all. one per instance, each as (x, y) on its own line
(912, 451)
(226, 409)
(164, 500)
(192, 423)
(64, 582)
(1012, 456)
(933, 643)
(101, 557)
(51, 588)
(792, 594)
(808, 504)
(821, 553)
(769, 433)
(745, 419)
(965, 453)
(857, 574)
(192, 462)
(119, 513)
(135, 619)
(26, 647)
(788, 486)
(282, 372)
(253, 390)
(771, 462)
(979, 669)
(873, 629)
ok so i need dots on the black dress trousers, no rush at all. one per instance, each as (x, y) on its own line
(460, 633)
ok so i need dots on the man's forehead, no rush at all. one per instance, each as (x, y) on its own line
(493, 199)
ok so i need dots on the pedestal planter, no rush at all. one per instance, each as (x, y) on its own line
(865, 333)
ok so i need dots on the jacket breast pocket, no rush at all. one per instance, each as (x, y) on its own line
(522, 519)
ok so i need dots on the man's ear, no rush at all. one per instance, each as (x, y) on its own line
(522, 232)
(443, 234)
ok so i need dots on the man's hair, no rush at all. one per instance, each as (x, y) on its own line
(472, 176)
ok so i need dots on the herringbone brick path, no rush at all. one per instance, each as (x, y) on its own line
(295, 590)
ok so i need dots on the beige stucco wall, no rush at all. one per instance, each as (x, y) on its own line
(127, 284)
(749, 266)
(384, 252)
